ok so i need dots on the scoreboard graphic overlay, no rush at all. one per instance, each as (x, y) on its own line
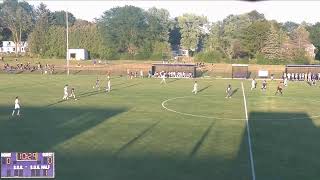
(27, 165)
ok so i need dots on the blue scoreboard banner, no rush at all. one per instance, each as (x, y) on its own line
(27, 165)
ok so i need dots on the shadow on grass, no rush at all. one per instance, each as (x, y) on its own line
(201, 140)
(156, 165)
(39, 130)
(24, 84)
(234, 91)
(139, 136)
(204, 88)
(76, 72)
(283, 149)
(171, 81)
(285, 146)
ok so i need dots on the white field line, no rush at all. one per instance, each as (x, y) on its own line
(233, 119)
(249, 137)
(194, 115)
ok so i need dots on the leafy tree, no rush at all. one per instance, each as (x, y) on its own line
(233, 27)
(37, 39)
(254, 37)
(191, 28)
(213, 40)
(125, 28)
(18, 17)
(84, 34)
(289, 26)
(255, 16)
(55, 45)
(158, 24)
(58, 18)
(174, 34)
(314, 36)
(300, 37)
(272, 45)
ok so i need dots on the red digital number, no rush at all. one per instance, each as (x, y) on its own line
(23, 156)
(30, 156)
(27, 156)
(35, 156)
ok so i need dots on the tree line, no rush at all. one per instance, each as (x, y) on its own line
(131, 32)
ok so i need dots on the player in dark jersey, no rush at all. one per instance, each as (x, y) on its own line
(264, 85)
(97, 84)
(72, 94)
(279, 88)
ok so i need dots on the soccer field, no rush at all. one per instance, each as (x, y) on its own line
(144, 130)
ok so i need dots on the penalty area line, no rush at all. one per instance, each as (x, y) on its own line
(249, 136)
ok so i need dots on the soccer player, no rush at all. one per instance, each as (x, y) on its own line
(253, 84)
(108, 88)
(108, 75)
(228, 91)
(141, 74)
(163, 76)
(272, 77)
(97, 84)
(314, 82)
(195, 88)
(264, 85)
(65, 91)
(285, 82)
(16, 107)
(279, 88)
(72, 94)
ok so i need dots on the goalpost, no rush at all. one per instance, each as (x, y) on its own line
(240, 71)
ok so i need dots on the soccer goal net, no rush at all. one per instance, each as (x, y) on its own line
(240, 71)
(175, 70)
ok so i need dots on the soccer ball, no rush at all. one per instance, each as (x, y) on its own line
(76, 99)
(92, 87)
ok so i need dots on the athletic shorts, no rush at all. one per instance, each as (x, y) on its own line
(17, 106)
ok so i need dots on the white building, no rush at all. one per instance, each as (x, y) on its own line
(10, 47)
(77, 54)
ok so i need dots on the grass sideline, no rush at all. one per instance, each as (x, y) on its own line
(127, 134)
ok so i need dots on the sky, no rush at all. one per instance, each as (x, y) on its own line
(282, 11)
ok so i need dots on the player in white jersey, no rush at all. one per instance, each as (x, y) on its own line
(163, 76)
(285, 82)
(229, 91)
(253, 84)
(16, 107)
(108, 88)
(65, 92)
(195, 88)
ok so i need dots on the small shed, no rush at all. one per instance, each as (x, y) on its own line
(78, 54)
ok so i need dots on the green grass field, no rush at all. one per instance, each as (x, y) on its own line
(129, 135)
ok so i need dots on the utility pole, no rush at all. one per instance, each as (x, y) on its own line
(67, 43)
